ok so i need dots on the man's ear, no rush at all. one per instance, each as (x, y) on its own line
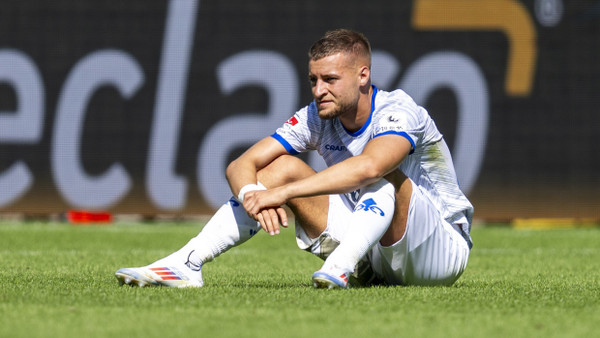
(365, 76)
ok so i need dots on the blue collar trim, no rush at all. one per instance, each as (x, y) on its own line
(364, 127)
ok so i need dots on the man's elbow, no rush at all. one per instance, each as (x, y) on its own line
(230, 170)
(372, 172)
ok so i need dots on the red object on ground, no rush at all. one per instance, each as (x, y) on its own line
(82, 216)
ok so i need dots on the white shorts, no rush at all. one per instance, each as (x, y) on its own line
(431, 252)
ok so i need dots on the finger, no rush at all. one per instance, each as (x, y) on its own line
(252, 206)
(268, 222)
(282, 216)
(259, 218)
(274, 220)
(249, 205)
(253, 216)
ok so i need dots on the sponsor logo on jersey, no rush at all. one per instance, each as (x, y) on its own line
(393, 119)
(335, 147)
(369, 205)
(292, 121)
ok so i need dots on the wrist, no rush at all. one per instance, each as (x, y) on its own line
(288, 192)
(247, 188)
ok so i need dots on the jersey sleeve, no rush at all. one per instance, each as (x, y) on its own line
(399, 115)
(301, 132)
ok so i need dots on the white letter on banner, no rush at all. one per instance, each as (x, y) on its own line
(462, 75)
(276, 74)
(167, 190)
(25, 124)
(102, 68)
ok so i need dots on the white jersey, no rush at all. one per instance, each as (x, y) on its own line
(429, 164)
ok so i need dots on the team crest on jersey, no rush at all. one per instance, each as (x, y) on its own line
(292, 121)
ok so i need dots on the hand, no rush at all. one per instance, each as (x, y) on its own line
(270, 218)
(265, 207)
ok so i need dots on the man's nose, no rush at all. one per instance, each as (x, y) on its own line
(319, 89)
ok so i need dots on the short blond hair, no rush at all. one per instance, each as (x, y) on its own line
(341, 41)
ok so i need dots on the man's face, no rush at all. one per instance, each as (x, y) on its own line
(335, 84)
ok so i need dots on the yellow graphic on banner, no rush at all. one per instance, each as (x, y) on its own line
(507, 16)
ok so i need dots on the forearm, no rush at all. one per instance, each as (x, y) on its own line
(381, 156)
(244, 169)
(343, 177)
(239, 174)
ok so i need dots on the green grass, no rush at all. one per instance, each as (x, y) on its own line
(58, 280)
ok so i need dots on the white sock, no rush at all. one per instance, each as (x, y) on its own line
(372, 217)
(229, 226)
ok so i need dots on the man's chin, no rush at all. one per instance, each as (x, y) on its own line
(328, 114)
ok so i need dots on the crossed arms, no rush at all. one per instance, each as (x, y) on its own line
(380, 156)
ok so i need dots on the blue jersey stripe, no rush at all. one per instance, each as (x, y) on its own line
(285, 144)
(403, 134)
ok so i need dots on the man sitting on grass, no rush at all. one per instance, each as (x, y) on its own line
(387, 210)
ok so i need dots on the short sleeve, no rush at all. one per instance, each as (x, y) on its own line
(399, 115)
(300, 132)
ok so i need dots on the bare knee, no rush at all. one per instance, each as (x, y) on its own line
(283, 170)
(310, 212)
(397, 228)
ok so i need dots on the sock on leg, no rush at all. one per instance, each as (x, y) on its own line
(229, 227)
(372, 216)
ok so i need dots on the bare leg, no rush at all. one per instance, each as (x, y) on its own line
(380, 216)
(310, 212)
(230, 226)
(403, 193)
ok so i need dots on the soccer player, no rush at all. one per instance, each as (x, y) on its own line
(387, 210)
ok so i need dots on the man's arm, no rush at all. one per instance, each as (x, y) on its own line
(242, 171)
(381, 156)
